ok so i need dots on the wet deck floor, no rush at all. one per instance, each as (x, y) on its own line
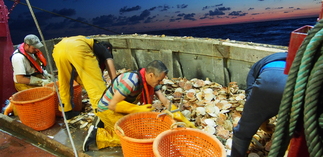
(59, 133)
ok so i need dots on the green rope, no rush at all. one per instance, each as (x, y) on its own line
(295, 97)
(312, 98)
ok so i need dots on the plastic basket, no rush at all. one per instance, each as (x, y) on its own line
(35, 107)
(77, 98)
(187, 142)
(137, 132)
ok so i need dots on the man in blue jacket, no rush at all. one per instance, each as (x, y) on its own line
(265, 86)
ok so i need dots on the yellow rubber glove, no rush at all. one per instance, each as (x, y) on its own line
(126, 107)
(180, 117)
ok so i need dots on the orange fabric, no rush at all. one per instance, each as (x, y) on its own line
(147, 91)
(38, 54)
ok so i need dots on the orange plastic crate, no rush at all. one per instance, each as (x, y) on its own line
(187, 142)
(137, 132)
(35, 107)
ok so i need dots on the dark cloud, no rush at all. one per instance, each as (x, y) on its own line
(104, 20)
(251, 9)
(255, 14)
(173, 20)
(58, 25)
(182, 14)
(149, 19)
(224, 8)
(215, 12)
(260, 0)
(237, 13)
(186, 16)
(267, 8)
(189, 17)
(164, 7)
(78, 24)
(65, 12)
(153, 8)
(145, 13)
(212, 6)
(182, 6)
(126, 9)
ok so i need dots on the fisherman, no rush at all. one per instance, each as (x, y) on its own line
(28, 65)
(121, 98)
(80, 58)
(265, 86)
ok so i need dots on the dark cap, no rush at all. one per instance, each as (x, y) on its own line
(33, 40)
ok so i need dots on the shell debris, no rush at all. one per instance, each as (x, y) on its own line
(212, 107)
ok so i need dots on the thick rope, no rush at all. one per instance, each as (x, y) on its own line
(294, 97)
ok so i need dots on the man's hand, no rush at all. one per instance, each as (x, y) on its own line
(45, 82)
(47, 75)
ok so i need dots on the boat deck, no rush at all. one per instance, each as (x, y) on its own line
(19, 138)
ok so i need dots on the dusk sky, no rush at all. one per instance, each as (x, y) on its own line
(135, 16)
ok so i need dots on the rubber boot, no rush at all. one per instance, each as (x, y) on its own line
(239, 147)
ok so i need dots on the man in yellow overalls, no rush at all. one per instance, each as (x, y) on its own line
(79, 58)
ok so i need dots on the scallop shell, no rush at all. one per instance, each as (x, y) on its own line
(187, 114)
(212, 110)
(200, 111)
(209, 122)
(209, 129)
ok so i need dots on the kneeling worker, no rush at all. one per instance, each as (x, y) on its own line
(121, 98)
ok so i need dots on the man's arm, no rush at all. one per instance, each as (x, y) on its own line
(22, 79)
(117, 97)
(111, 68)
(162, 98)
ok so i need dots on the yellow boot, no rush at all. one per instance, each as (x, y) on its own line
(106, 137)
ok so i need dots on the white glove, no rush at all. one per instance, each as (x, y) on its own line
(35, 81)
(47, 75)
(45, 82)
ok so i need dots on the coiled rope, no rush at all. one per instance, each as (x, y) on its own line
(302, 99)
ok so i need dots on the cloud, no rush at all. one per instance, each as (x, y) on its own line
(212, 6)
(65, 12)
(126, 9)
(189, 17)
(173, 20)
(251, 9)
(224, 8)
(153, 8)
(149, 19)
(182, 6)
(215, 12)
(104, 20)
(164, 7)
(182, 14)
(237, 13)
